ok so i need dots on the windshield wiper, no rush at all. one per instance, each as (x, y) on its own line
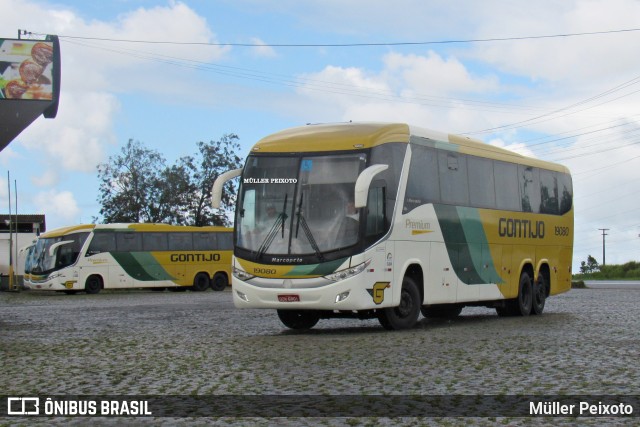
(307, 230)
(271, 235)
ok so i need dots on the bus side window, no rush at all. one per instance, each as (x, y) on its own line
(154, 242)
(204, 242)
(225, 241)
(529, 188)
(375, 214)
(548, 192)
(128, 242)
(180, 242)
(102, 242)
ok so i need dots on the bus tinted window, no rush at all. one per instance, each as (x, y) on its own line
(129, 242)
(506, 183)
(454, 188)
(102, 242)
(423, 185)
(548, 192)
(529, 178)
(481, 183)
(204, 241)
(225, 241)
(565, 192)
(154, 242)
(180, 242)
(392, 155)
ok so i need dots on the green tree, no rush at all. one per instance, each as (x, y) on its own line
(213, 158)
(128, 184)
(137, 186)
(590, 266)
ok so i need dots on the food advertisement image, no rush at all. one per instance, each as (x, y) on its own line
(26, 69)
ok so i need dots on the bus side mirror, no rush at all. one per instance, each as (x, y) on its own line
(53, 248)
(363, 182)
(216, 190)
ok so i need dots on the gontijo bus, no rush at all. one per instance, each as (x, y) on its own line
(382, 220)
(94, 257)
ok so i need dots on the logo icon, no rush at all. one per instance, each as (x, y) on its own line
(23, 406)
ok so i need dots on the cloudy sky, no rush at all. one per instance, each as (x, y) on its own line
(252, 67)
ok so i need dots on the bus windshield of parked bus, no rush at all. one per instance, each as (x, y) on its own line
(51, 254)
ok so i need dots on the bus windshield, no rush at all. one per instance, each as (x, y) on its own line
(51, 254)
(298, 205)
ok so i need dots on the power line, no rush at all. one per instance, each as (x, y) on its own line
(304, 45)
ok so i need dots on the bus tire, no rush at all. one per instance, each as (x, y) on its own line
(539, 295)
(93, 284)
(299, 319)
(219, 282)
(405, 315)
(201, 282)
(525, 295)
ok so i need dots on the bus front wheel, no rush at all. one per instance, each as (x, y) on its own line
(219, 282)
(93, 285)
(299, 319)
(405, 315)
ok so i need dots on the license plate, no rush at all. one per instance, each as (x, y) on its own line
(289, 298)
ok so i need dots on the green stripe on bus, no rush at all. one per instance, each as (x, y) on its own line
(465, 240)
(141, 266)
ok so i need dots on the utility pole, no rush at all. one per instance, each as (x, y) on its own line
(604, 260)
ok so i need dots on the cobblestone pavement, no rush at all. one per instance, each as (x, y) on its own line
(189, 343)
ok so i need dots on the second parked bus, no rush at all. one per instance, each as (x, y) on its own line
(93, 257)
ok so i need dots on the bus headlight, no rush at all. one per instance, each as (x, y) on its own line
(242, 296)
(348, 272)
(343, 296)
(241, 274)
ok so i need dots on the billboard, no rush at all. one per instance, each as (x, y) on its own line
(29, 83)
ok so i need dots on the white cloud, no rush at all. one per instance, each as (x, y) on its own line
(418, 89)
(434, 75)
(75, 140)
(60, 207)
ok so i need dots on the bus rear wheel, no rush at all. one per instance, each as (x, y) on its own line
(200, 282)
(539, 295)
(299, 319)
(219, 282)
(405, 315)
(93, 285)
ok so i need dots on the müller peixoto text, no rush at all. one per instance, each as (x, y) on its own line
(581, 408)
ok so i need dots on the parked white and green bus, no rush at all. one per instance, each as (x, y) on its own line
(93, 257)
(375, 220)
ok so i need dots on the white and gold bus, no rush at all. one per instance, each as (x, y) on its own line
(375, 220)
(93, 257)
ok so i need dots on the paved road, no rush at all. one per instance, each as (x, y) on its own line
(613, 284)
(147, 343)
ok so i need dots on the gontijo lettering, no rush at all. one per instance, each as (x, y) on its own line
(195, 257)
(521, 228)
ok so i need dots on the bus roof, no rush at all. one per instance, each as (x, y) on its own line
(358, 135)
(144, 227)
